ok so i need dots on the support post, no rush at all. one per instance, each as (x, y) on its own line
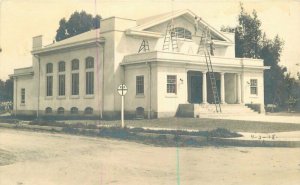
(204, 88)
(239, 90)
(222, 88)
(122, 112)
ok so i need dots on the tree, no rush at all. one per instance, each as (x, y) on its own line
(251, 42)
(78, 23)
(6, 90)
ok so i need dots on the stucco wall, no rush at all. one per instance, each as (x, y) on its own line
(82, 100)
(168, 103)
(247, 97)
(28, 84)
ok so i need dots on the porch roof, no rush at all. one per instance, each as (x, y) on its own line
(177, 58)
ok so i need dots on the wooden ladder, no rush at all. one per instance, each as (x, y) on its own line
(204, 44)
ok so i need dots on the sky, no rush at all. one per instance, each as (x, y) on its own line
(21, 20)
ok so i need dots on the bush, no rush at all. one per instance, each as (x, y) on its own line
(222, 133)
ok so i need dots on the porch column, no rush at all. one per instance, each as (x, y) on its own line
(204, 87)
(222, 87)
(239, 90)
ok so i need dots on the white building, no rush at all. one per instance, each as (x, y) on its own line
(80, 75)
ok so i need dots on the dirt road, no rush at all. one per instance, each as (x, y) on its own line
(30, 158)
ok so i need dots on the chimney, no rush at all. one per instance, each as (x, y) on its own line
(37, 42)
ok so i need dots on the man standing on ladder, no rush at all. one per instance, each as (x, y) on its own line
(197, 24)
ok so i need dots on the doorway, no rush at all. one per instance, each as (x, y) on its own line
(195, 87)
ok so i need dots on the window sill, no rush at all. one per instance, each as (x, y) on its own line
(22, 104)
(74, 97)
(61, 97)
(170, 95)
(253, 96)
(48, 98)
(89, 96)
(140, 96)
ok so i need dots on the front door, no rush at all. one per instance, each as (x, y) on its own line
(196, 89)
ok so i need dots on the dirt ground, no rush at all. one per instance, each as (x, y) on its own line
(32, 158)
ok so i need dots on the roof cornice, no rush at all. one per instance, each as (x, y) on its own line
(67, 46)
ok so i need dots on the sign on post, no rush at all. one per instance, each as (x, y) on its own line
(122, 90)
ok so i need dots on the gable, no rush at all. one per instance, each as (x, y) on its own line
(184, 19)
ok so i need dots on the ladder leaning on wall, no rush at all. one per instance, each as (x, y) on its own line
(170, 36)
(204, 48)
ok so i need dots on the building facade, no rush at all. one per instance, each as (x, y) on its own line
(80, 75)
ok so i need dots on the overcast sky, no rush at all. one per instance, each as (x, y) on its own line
(21, 20)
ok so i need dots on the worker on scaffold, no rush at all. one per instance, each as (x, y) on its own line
(197, 24)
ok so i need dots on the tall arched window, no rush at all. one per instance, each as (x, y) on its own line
(89, 75)
(183, 33)
(61, 66)
(49, 79)
(75, 77)
(49, 68)
(61, 78)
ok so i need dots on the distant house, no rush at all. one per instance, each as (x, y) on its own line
(80, 75)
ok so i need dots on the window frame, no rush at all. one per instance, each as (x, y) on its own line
(61, 66)
(89, 76)
(49, 68)
(23, 96)
(253, 86)
(75, 65)
(49, 86)
(169, 84)
(48, 110)
(183, 32)
(74, 110)
(62, 85)
(140, 85)
(88, 111)
(60, 110)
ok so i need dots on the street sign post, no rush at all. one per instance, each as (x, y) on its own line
(122, 90)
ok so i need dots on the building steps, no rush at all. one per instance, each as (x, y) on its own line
(209, 110)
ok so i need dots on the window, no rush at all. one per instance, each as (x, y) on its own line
(61, 78)
(253, 86)
(75, 64)
(140, 85)
(183, 33)
(60, 110)
(89, 62)
(75, 77)
(74, 110)
(49, 68)
(88, 110)
(48, 110)
(23, 96)
(172, 84)
(49, 79)
(49, 85)
(75, 83)
(61, 85)
(61, 66)
(89, 77)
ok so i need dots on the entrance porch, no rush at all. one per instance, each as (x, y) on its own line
(200, 91)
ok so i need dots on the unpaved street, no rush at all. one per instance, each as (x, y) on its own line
(33, 158)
